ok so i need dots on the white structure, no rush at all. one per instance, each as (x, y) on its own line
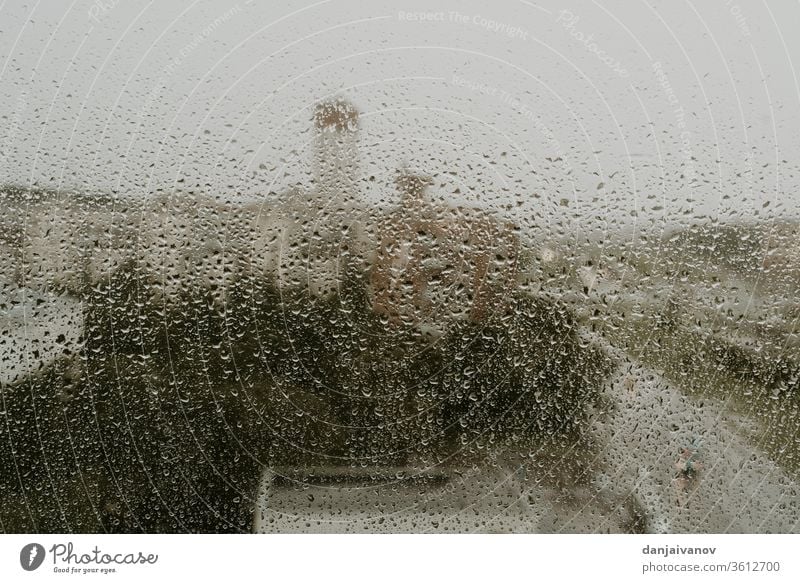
(336, 150)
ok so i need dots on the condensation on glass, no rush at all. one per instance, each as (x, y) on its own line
(313, 361)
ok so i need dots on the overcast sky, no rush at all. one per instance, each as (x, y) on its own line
(601, 114)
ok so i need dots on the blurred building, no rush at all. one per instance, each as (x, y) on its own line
(436, 263)
(424, 262)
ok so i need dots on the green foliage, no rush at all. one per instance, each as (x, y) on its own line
(181, 400)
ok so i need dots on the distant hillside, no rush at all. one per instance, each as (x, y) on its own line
(738, 247)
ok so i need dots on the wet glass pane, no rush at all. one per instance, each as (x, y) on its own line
(348, 267)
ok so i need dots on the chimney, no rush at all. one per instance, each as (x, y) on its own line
(336, 148)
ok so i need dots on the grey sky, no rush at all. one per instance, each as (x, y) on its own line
(660, 111)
